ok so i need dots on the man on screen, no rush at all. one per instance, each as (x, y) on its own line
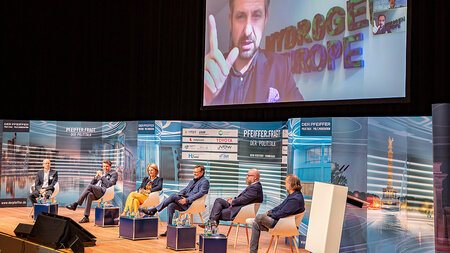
(104, 179)
(381, 28)
(391, 4)
(246, 74)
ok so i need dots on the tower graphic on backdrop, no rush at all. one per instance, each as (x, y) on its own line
(390, 200)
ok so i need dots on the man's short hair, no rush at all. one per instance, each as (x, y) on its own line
(294, 182)
(202, 168)
(107, 161)
(266, 5)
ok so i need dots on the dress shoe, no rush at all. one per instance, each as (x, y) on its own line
(72, 207)
(163, 234)
(84, 220)
(151, 211)
(202, 225)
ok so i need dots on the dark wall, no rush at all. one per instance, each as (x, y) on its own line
(132, 60)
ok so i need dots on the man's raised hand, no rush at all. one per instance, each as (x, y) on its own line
(217, 67)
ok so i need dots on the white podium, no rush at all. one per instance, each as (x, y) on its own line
(326, 218)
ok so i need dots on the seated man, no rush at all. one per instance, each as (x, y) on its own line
(293, 204)
(96, 189)
(44, 184)
(228, 209)
(198, 187)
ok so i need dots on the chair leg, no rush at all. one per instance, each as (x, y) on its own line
(295, 243)
(31, 211)
(290, 243)
(230, 229)
(159, 220)
(201, 218)
(270, 244)
(246, 231)
(276, 244)
(192, 219)
(235, 238)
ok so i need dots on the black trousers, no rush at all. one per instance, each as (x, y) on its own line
(90, 193)
(220, 211)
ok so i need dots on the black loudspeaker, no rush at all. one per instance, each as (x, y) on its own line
(23, 230)
(60, 232)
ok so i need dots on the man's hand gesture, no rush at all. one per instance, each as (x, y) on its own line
(217, 67)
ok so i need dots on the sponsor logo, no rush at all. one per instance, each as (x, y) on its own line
(224, 147)
(224, 140)
(224, 156)
(193, 156)
(220, 132)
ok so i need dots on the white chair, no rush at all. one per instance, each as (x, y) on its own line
(198, 206)
(152, 201)
(286, 227)
(52, 197)
(107, 197)
(55, 192)
(246, 212)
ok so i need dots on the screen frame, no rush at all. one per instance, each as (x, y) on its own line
(365, 101)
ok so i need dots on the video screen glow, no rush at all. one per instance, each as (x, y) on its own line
(262, 51)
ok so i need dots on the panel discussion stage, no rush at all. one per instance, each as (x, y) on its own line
(108, 237)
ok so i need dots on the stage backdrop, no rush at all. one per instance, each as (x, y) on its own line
(386, 161)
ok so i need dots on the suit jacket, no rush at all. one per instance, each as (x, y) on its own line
(252, 194)
(293, 204)
(195, 189)
(52, 180)
(108, 180)
(156, 186)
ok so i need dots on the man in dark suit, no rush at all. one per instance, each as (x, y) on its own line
(198, 187)
(96, 189)
(228, 209)
(293, 204)
(44, 184)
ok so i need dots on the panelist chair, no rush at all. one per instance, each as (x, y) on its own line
(286, 227)
(246, 212)
(152, 201)
(198, 206)
(107, 197)
(52, 197)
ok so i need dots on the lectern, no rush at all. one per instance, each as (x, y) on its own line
(326, 218)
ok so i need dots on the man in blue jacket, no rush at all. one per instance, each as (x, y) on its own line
(198, 187)
(293, 204)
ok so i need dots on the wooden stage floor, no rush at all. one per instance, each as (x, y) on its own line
(108, 238)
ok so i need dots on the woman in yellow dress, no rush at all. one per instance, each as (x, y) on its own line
(149, 184)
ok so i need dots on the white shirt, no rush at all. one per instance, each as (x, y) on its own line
(45, 184)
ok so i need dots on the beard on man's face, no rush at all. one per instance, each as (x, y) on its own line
(247, 41)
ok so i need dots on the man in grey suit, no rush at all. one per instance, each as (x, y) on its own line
(198, 187)
(45, 181)
(96, 189)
